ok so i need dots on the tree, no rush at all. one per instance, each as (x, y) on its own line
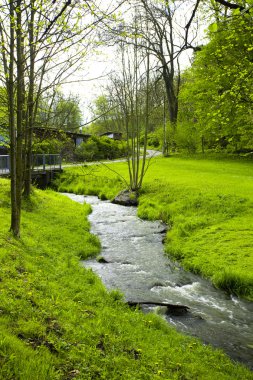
(161, 37)
(218, 86)
(60, 112)
(129, 86)
(106, 114)
(39, 50)
(168, 31)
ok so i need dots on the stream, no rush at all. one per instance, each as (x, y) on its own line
(137, 266)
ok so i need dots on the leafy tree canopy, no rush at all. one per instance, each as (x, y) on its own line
(217, 90)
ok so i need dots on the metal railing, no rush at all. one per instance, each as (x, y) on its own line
(40, 162)
(5, 164)
(43, 162)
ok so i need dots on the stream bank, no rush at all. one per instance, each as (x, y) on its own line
(136, 265)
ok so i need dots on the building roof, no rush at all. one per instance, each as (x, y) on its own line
(110, 133)
(55, 130)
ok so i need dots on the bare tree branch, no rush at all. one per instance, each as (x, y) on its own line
(53, 21)
(230, 5)
(187, 26)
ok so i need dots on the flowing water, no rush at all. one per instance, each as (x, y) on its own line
(137, 266)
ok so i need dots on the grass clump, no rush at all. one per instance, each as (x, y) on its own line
(208, 205)
(58, 321)
(88, 181)
(229, 280)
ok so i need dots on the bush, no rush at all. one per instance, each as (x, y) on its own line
(100, 148)
(60, 144)
(188, 138)
(153, 140)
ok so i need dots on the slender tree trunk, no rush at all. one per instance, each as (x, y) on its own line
(15, 214)
(203, 144)
(20, 115)
(133, 146)
(146, 124)
(136, 127)
(30, 109)
(165, 142)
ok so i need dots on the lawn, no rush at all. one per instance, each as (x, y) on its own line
(59, 322)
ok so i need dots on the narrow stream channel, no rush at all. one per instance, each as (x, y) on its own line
(137, 266)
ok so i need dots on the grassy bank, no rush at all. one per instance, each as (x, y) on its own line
(58, 321)
(207, 203)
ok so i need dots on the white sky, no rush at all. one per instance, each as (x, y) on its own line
(90, 82)
(92, 78)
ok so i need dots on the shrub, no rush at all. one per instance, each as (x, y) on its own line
(100, 148)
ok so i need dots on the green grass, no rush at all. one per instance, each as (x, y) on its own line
(57, 321)
(208, 205)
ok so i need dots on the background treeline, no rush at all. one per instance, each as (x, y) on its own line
(213, 96)
(207, 107)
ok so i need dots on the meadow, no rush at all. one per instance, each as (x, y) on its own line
(59, 322)
(207, 204)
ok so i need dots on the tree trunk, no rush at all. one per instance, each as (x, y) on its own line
(15, 214)
(20, 115)
(203, 144)
(172, 97)
(146, 124)
(172, 90)
(30, 109)
(165, 149)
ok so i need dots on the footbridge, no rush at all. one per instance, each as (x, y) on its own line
(44, 168)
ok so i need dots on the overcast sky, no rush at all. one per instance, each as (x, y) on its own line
(91, 80)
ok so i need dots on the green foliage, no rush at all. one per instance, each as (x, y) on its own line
(20, 362)
(107, 114)
(153, 139)
(52, 145)
(58, 321)
(4, 131)
(99, 148)
(4, 138)
(208, 205)
(62, 113)
(53, 142)
(187, 137)
(3, 112)
(216, 95)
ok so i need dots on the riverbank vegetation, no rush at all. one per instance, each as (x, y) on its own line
(206, 203)
(59, 322)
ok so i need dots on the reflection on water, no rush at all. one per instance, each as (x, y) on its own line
(137, 266)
